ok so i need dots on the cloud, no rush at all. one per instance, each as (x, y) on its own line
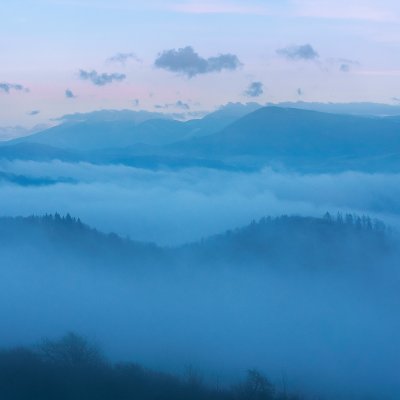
(147, 205)
(187, 115)
(34, 112)
(346, 65)
(303, 52)
(69, 94)
(179, 104)
(101, 79)
(363, 10)
(123, 58)
(186, 61)
(255, 89)
(8, 87)
(341, 64)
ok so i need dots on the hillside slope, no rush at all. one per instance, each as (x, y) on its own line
(316, 243)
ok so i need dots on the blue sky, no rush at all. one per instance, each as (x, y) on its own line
(104, 53)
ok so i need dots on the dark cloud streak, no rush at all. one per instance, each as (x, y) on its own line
(69, 94)
(178, 104)
(101, 79)
(303, 52)
(186, 61)
(6, 87)
(255, 89)
(123, 58)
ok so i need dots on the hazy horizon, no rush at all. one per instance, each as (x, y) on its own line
(77, 56)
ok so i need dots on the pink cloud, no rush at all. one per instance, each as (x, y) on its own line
(218, 7)
(384, 11)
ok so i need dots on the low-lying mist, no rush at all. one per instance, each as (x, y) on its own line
(176, 206)
(325, 328)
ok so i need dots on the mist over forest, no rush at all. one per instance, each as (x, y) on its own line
(285, 296)
(157, 205)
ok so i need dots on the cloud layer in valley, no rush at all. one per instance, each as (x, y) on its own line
(300, 325)
(159, 205)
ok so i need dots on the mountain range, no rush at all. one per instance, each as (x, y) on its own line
(237, 136)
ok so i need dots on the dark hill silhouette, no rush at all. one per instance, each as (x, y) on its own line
(71, 368)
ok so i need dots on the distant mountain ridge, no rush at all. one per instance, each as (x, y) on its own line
(113, 115)
(289, 138)
(276, 131)
(355, 108)
(296, 138)
(118, 129)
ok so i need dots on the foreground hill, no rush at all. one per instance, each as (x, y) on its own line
(72, 368)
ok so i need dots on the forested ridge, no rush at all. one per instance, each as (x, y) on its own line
(342, 240)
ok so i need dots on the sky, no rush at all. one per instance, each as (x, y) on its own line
(66, 56)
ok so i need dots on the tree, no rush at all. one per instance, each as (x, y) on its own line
(71, 350)
(256, 387)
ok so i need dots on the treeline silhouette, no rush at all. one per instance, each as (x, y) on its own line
(331, 241)
(66, 239)
(74, 369)
(343, 240)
